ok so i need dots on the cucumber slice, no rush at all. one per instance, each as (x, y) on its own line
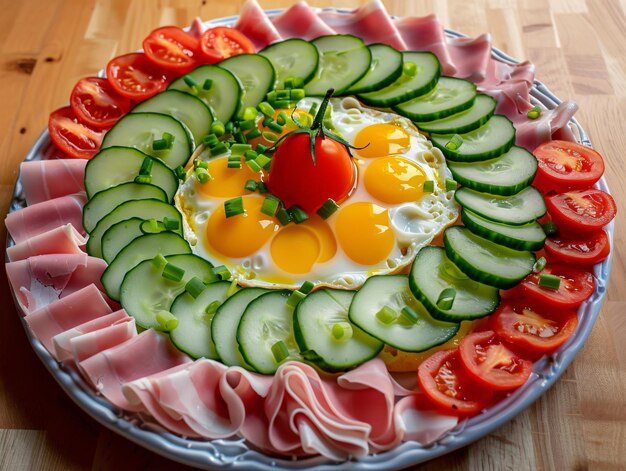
(485, 261)
(140, 249)
(224, 95)
(450, 96)
(490, 140)
(393, 291)
(140, 130)
(432, 272)
(521, 208)
(225, 323)
(137, 208)
(116, 165)
(482, 110)
(293, 57)
(526, 237)
(313, 323)
(344, 59)
(193, 333)
(118, 236)
(145, 292)
(505, 175)
(105, 201)
(385, 68)
(407, 87)
(186, 108)
(256, 74)
(266, 321)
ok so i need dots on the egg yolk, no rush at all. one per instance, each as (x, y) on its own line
(394, 180)
(382, 139)
(363, 232)
(325, 235)
(227, 182)
(295, 249)
(241, 235)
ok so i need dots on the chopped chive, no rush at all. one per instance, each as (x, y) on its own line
(283, 216)
(296, 94)
(260, 148)
(208, 84)
(294, 82)
(250, 185)
(277, 128)
(219, 149)
(211, 309)
(240, 138)
(228, 127)
(409, 315)
(159, 261)
(298, 214)
(282, 104)
(180, 172)
(294, 299)
(271, 96)
(254, 133)
(247, 125)
(232, 289)
(328, 123)
(270, 136)
(429, 186)
(160, 144)
(341, 331)
(455, 142)
(386, 315)
(171, 224)
(239, 149)
(233, 207)
(313, 108)
(190, 81)
(264, 161)
(234, 163)
(409, 69)
(270, 206)
(282, 95)
(289, 83)
(282, 118)
(194, 287)
(280, 351)
(306, 287)
(550, 229)
(146, 166)
(222, 272)
(249, 114)
(539, 265)
(534, 113)
(167, 321)
(549, 281)
(197, 163)
(328, 209)
(150, 226)
(254, 166)
(210, 140)
(450, 184)
(262, 187)
(202, 175)
(172, 272)
(267, 120)
(446, 298)
(218, 128)
(266, 108)
(250, 155)
(143, 179)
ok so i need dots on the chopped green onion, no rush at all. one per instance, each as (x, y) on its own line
(282, 104)
(219, 149)
(254, 166)
(298, 214)
(328, 123)
(271, 96)
(146, 166)
(202, 175)
(218, 128)
(247, 125)
(264, 161)
(277, 128)
(342, 331)
(455, 142)
(197, 163)
(313, 108)
(283, 216)
(539, 265)
(210, 140)
(228, 127)
(282, 95)
(294, 299)
(167, 321)
(282, 118)
(429, 186)
(267, 120)
(172, 272)
(266, 108)
(254, 133)
(208, 84)
(150, 226)
(270, 136)
(171, 224)
(550, 229)
(222, 272)
(211, 309)
(161, 144)
(409, 69)
(328, 209)
(194, 287)
(296, 94)
(190, 81)
(280, 351)
(234, 162)
(232, 289)
(251, 155)
(549, 281)
(386, 315)
(294, 82)
(143, 179)
(239, 149)
(450, 184)
(409, 315)
(270, 205)
(249, 114)
(534, 113)
(250, 185)
(180, 172)
(262, 187)
(446, 298)
(233, 207)
(260, 148)
(159, 261)
(240, 138)
(306, 287)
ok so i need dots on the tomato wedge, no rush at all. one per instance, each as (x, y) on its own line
(567, 165)
(585, 249)
(581, 210)
(135, 77)
(222, 42)
(491, 364)
(95, 102)
(577, 284)
(172, 48)
(445, 383)
(542, 331)
(73, 137)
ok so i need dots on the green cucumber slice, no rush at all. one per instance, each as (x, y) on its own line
(293, 57)
(118, 236)
(490, 140)
(485, 261)
(385, 68)
(256, 74)
(481, 111)
(525, 237)
(432, 272)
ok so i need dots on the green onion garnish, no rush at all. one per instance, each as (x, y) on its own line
(240, 138)
(239, 149)
(234, 162)
(222, 272)
(197, 163)
(270, 136)
(253, 134)
(218, 128)
(549, 281)
(233, 207)
(247, 125)
(409, 69)
(266, 108)
(386, 315)
(254, 166)
(270, 205)
(232, 289)
(342, 331)
(455, 142)
(190, 81)
(450, 184)
(210, 140)
(409, 315)
(550, 229)
(219, 149)
(195, 286)
(160, 144)
(262, 187)
(146, 166)
(211, 309)
(294, 299)
(208, 83)
(280, 351)
(283, 95)
(264, 161)
(327, 209)
(306, 287)
(429, 186)
(150, 226)
(167, 321)
(313, 108)
(446, 299)
(296, 94)
(260, 148)
(228, 127)
(171, 224)
(172, 272)
(159, 261)
(539, 265)
(534, 113)
(274, 126)
(298, 214)
(250, 185)
(282, 118)
(249, 114)
(283, 103)
(283, 216)
(250, 155)
(202, 175)
(180, 172)
(143, 179)
(294, 82)
(271, 96)
(267, 120)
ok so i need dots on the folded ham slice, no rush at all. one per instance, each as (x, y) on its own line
(61, 240)
(301, 21)
(255, 24)
(46, 179)
(471, 56)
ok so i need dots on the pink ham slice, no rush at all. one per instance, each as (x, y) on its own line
(369, 22)
(197, 28)
(255, 24)
(46, 179)
(146, 354)
(62, 240)
(470, 56)
(301, 21)
(68, 312)
(415, 420)
(552, 124)
(47, 215)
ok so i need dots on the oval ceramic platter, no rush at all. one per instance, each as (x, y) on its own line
(235, 453)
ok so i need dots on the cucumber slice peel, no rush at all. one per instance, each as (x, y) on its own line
(465, 121)
(385, 68)
(119, 235)
(529, 236)
(293, 57)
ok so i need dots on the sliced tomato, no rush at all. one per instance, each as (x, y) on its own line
(585, 249)
(172, 48)
(446, 384)
(581, 210)
(95, 102)
(74, 138)
(522, 324)
(577, 284)
(222, 42)
(135, 77)
(567, 165)
(489, 362)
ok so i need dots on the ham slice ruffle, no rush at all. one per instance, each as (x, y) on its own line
(301, 21)
(255, 24)
(61, 240)
(47, 179)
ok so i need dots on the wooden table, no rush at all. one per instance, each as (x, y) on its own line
(578, 48)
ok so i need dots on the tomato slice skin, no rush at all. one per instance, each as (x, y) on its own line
(491, 364)
(74, 138)
(172, 49)
(565, 165)
(223, 42)
(577, 284)
(581, 210)
(95, 102)
(445, 383)
(541, 330)
(135, 77)
(585, 249)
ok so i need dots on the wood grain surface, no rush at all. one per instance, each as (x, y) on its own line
(579, 48)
